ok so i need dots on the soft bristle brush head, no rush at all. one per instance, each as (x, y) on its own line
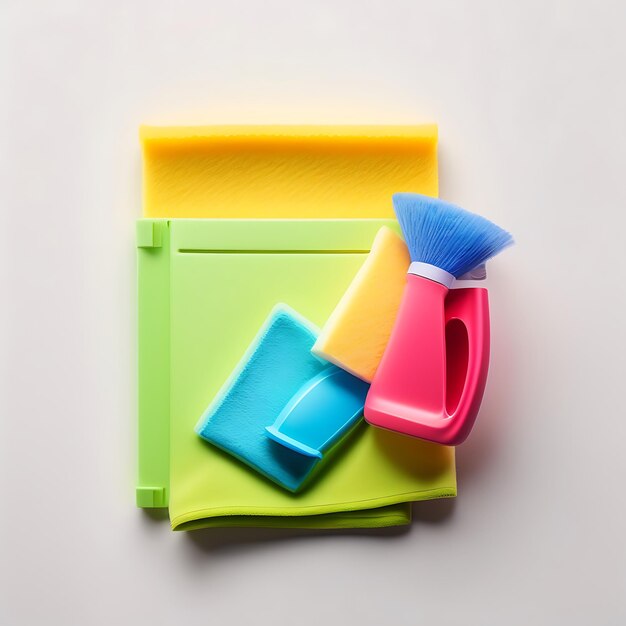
(445, 235)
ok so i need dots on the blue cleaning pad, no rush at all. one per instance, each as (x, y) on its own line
(445, 235)
(276, 365)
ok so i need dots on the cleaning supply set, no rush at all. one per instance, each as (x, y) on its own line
(249, 413)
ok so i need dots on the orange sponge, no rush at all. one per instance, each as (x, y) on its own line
(356, 333)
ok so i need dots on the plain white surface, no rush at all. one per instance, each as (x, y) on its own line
(531, 103)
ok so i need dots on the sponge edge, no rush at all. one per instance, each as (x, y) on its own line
(356, 334)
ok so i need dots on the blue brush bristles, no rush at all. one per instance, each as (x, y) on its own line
(445, 235)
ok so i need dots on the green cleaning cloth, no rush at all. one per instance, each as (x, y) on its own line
(206, 287)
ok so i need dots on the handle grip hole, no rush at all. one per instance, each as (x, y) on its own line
(457, 360)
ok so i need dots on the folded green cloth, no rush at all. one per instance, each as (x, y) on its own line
(224, 277)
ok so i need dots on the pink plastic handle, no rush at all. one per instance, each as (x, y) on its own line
(467, 357)
(415, 390)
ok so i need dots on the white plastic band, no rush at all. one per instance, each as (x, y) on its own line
(432, 273)
(470, 284)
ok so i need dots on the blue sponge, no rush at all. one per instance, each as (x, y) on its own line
(276, 365)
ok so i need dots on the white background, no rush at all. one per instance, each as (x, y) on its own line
(531, 103)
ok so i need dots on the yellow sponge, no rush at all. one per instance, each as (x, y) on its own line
(356, 333)
(284, 171)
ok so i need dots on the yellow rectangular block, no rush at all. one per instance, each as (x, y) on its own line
(284, 171)
(357, 331)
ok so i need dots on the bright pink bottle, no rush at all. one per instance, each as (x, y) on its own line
(432, 376)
